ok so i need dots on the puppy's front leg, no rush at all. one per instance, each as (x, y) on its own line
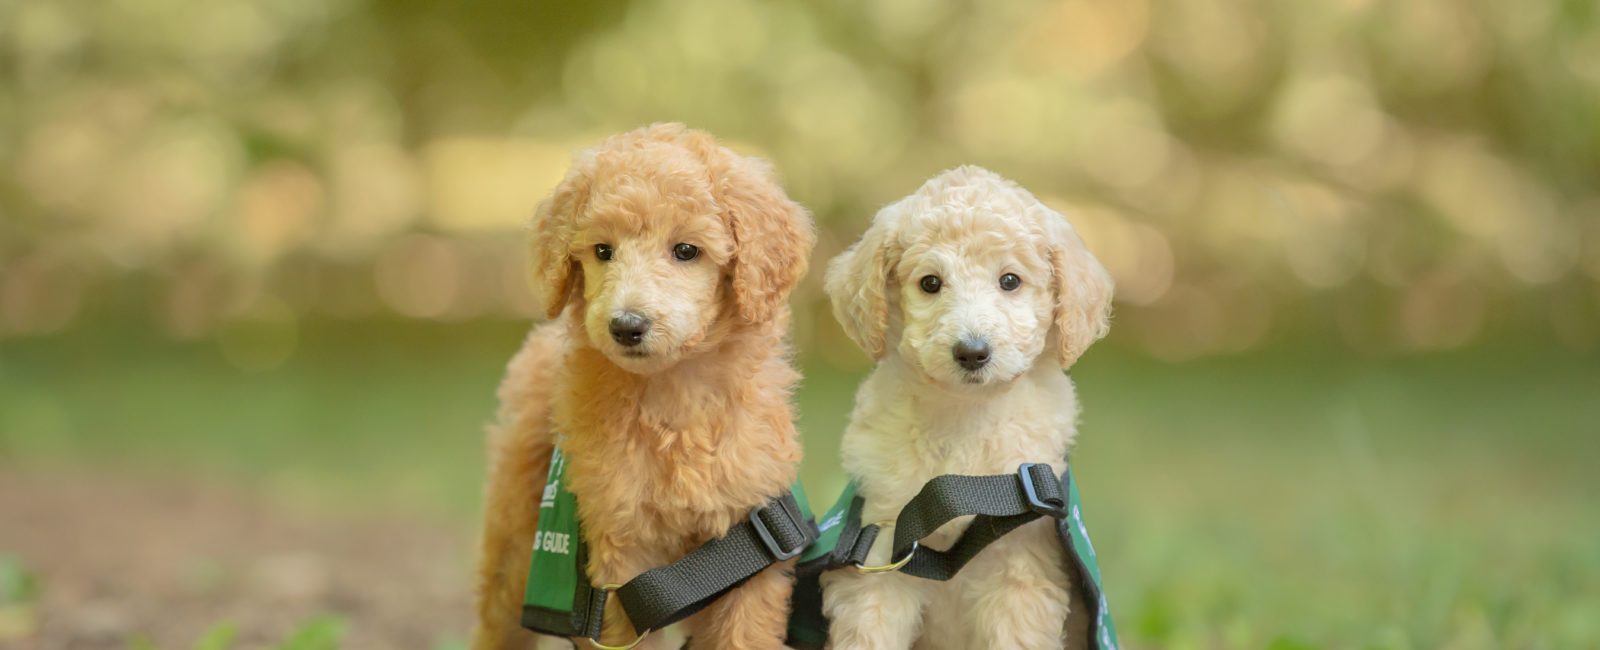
(871, 611)
(520, 460)
(615, 559)
(755, 615)
(520, 445)
(1019, 598)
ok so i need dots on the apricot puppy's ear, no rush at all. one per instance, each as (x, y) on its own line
(1083, 291)
(858, 282)
(559, 276)
(772, 236)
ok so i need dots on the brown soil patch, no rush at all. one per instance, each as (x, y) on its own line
(119, 557)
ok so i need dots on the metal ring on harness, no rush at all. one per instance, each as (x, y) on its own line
(894, 566)
(601, 646)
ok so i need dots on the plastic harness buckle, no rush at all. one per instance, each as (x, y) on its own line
(1031, 491)
(771, 543)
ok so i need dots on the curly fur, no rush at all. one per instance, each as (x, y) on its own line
(673, 441)
(920, 414)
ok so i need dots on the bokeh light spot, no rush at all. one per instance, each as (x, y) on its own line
(419, 275)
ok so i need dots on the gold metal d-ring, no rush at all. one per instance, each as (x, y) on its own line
(601, 646)
(890, 567)
(630, 645)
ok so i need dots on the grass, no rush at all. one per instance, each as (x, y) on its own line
(319, 633)
(1295, 498)
(19, 589)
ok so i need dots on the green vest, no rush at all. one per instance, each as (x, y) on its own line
(555, 570)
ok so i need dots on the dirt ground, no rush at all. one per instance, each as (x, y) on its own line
(118, 558)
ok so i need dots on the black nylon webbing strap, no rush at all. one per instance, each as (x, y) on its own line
(589, 606)
(1001, 502)
(849, 548)
(665, 595)
(588, 603)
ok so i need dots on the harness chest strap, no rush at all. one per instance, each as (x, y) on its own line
(1001, 503)
(560, 599)
(996, 500)
(665, 595)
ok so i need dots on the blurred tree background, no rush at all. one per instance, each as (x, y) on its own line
(1356, 243)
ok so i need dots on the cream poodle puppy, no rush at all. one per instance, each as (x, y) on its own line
(973, 296)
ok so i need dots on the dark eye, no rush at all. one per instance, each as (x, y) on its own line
(602, 252)
(1010, 282)
(931, 284)
(685, 252)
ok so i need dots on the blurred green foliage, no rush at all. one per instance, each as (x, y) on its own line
(1387, 174)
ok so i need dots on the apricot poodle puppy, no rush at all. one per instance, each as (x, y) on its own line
(973, 296)
(666, 263)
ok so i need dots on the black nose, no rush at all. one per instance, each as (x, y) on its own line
(628, 328)
(972, 354)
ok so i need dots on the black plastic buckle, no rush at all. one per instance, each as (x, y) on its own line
(766, 535)
(1031, 491)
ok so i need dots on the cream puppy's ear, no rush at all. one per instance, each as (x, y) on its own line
(1083, 290)
(858, 281)
(559, 276)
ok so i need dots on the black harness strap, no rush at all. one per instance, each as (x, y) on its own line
(843, 553)
(1002, 502)
(588, 603)
(665, 595)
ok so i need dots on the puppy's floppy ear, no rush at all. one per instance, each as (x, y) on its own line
(772, 237)
(1083, 290)
(554, 226)
(858, 282)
